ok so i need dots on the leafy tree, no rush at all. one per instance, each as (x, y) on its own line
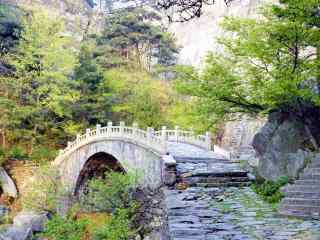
(10, 18)
(138, 97)
(43, 62)
(269, 63)
(94, 105)
(132, 38)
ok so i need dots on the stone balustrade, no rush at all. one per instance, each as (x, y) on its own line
(183, 136)
(155, 140)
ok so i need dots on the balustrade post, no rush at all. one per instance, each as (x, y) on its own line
(122, 125)
(61, 152)
(134, 129)
(68, 145)
(208, 140)
(149, 133)
(88, 131)
(98, 129)
(191, 133)
(109, 128)
(176, 133)
(164, 136)
(78, 138)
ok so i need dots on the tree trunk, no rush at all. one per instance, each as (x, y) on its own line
(3, 138)
(33, 138)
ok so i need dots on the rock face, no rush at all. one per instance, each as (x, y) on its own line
(280, 146)
(7, 184)
(237, 136)
(198, 36)
(25, 224)
(34, 221)
(78, 15)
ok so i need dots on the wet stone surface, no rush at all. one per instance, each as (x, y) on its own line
(231, 214)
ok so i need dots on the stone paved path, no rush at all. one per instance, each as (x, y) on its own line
(186, 150)
(232, 213)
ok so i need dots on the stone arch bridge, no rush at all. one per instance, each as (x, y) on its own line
(124, 148)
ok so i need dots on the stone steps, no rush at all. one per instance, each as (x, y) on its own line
(300, 214)
(303, 194)
(309, 182)
(212, 174)
(305, 211)
(222, 184)
(200, 160)
(302, 199)
(312, 170)
(302, 188)
(314, 165)
(307, 176)
(194, 180)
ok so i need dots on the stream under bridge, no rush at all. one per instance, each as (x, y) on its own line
(128, 149)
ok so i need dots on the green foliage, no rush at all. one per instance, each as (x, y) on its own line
(118, 227)
(37, 97)
(111, 193)
(42, 154)
(132, 39)
(138, 97)
(2, 156)
(45, 191)
(94, 105)
(17, 153)
(9, 27)
(268, 63)
(59, 228)
(270, 190)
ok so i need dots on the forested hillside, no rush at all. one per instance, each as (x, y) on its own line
(70, 66)
(52, 89)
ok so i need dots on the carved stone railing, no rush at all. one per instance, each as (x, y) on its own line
(182, 136)
(155, 140)
(121, 132)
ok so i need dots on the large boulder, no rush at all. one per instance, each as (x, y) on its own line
(16, 233)
(281, 146)
(36, 222)
(7, 184)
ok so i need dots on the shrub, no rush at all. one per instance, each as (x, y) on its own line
(270, 190)
(42, 154)
(59, 228)
(18, 153)
(117, 227)
(109, 194)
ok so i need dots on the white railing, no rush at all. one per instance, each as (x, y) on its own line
(177, 135)
(146, 138)
(156, 140)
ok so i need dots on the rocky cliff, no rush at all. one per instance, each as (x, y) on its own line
(198, 36)
(78, 15)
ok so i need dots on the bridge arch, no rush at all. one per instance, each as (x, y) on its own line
(129, 155)
(135, 150)
(96, 166)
